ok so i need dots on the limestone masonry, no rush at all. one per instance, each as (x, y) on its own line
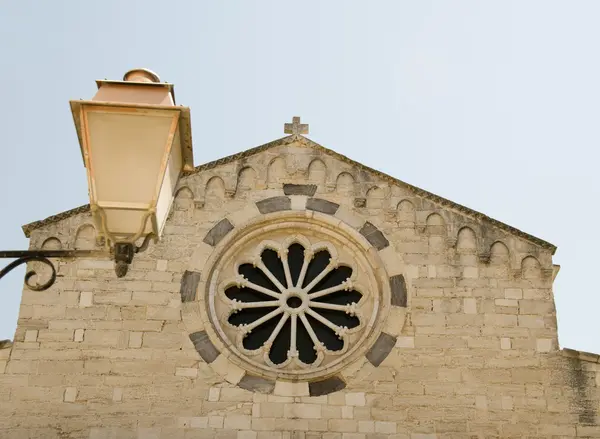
(424, 319)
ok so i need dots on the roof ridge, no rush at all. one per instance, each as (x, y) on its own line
(28, 228)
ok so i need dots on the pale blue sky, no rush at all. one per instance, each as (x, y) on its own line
(494, 105)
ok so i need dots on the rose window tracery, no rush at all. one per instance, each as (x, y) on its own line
(294, 299)
(296, 303)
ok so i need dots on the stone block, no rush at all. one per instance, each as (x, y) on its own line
(299, 189)
(135, 339)
(366, 426)
(215, 421)
(288, 388)
(398, 290)
(543, 345)
(86, 299)
(204, 346)
(256, 384)
(513, 293)
(78, 335)
(355, 399)
(481, 402)
(162, 264)
(507, 302)
(189, 285)
(324, 387)
(148, 433)
(70, 394)
(320, 205)
(238, 422)
(112, 298)
(385, 427)
(348, 216)
(507, 402)
(405, 342)
(117, 394)
(31, 335)
(381, 349)
(274, 204)
(505, 343)
(343, 425)
(189, 372)
(531, 321)
(163, 313)
(235, 394)
(470, 305)
(214, 394)
(303, 411)
(218, 232)
(374, 236)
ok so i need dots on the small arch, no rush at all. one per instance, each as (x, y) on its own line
(406, 213)
(466, 241)
(52, 243)
(215, 192)
(436, 225)
(499, 254)
(530, 268)
(276, 172)
(246, 180)
(375, 198)
(344, 184)
(317, 172)
(184, 198)
(85, 238)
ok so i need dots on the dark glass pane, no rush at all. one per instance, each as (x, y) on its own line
(333, 278)
(248, 315)
(281, 345)
(260, 334)
(295, 261)
(319, 261)
(274, 264)
(326, 335)
(339, 318)
(340, 297)
(246, 295)
(253, 274)
(305, 345)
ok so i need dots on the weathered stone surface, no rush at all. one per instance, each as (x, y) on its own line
(325, 387)
(398, 290)
(189, 284)
(381, 349)
(300, 189)
(218, 232)
(257, 384)
(274, 204)
(477, 355)
(321, 205)
(374, 236)
(204, 346)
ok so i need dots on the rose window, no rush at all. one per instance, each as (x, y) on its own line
(292, 304)
(293, 300)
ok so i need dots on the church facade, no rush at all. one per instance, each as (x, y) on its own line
(297, 294)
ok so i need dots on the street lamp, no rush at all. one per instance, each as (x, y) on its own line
(135, 142)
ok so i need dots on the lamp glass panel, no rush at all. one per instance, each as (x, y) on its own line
(167, 190)
(125, 155)
(125, 223)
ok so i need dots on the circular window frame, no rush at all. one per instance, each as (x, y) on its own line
(298, 222)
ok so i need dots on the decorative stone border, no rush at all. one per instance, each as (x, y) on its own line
(297, 201)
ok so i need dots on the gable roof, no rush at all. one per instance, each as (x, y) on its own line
(28, 228)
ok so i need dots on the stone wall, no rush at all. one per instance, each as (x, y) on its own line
(476, 356)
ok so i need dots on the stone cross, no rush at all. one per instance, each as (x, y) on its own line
(295, 127)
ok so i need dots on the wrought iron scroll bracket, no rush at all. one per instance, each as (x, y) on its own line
(122, 253)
